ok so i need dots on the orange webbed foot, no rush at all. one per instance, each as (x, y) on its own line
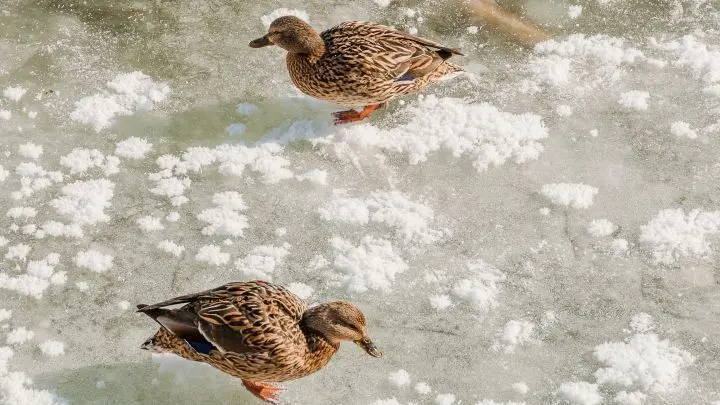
(265, 391)
(347, 116)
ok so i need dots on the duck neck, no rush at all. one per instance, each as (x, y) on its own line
(311, 48)
(314, 322)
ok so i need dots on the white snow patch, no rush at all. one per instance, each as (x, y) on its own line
(713, 90)
(133, 148)
(80, 160)
(150, 223)
(268, 18)
(18, 252)
(5, 114)
(24, 284)
(410, 219)
(224, 219)
(634, 100)
(170, 247)
(55, 228)
(601, 227)
(124, 305)
(262, 261)
(40, 268)
(440, 302)
(30, 150)
(642, 323)
(302, 290)
(212, 254)
(383, 3)
(372, 265)
(644, 362)
(82, 285)
(389, 401)
(586, 61)
(19, 336)
(399, 378)
(423, 388)
(515, 333)
(473, 29)
(5, 314)
(574, 11)
(59, 278)
(350, 210)
(574, 195)
(173, 216)
(170, 186)
(445, 399)
(682, 129)
(14, 93)
(564, 110)
(702, 60)
(21, 213)
(316, 176)
(84, 202)
(630, 398)
(672, 234)
(129, 93)
(52, 348)
(580, 393)
(94, 261)
(479, 130)
(619, 246)
(16, 386)
(520, 387)
(482, 289)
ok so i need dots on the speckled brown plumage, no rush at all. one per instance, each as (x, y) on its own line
(257, 331)
(358, 62)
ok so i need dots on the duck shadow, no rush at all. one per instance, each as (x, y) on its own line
(175, 383)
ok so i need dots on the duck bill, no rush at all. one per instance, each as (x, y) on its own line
(260, 42)
(369, 347)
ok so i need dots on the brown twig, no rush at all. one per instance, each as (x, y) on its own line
(490, 13)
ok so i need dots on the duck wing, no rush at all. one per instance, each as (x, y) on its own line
(403, 57)
(246, 317)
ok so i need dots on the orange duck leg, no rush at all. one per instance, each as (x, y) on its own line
(266, 392)
(344, 117)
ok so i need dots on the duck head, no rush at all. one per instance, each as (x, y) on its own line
(338, 321)
(292, 34)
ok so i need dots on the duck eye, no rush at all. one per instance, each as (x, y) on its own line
(346, 325)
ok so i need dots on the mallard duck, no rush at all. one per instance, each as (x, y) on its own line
(256, 331)
(357, 62)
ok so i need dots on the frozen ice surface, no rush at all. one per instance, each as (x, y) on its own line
(517, 235)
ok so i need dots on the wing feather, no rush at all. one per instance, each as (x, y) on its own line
(403, 57)
(244, 317)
